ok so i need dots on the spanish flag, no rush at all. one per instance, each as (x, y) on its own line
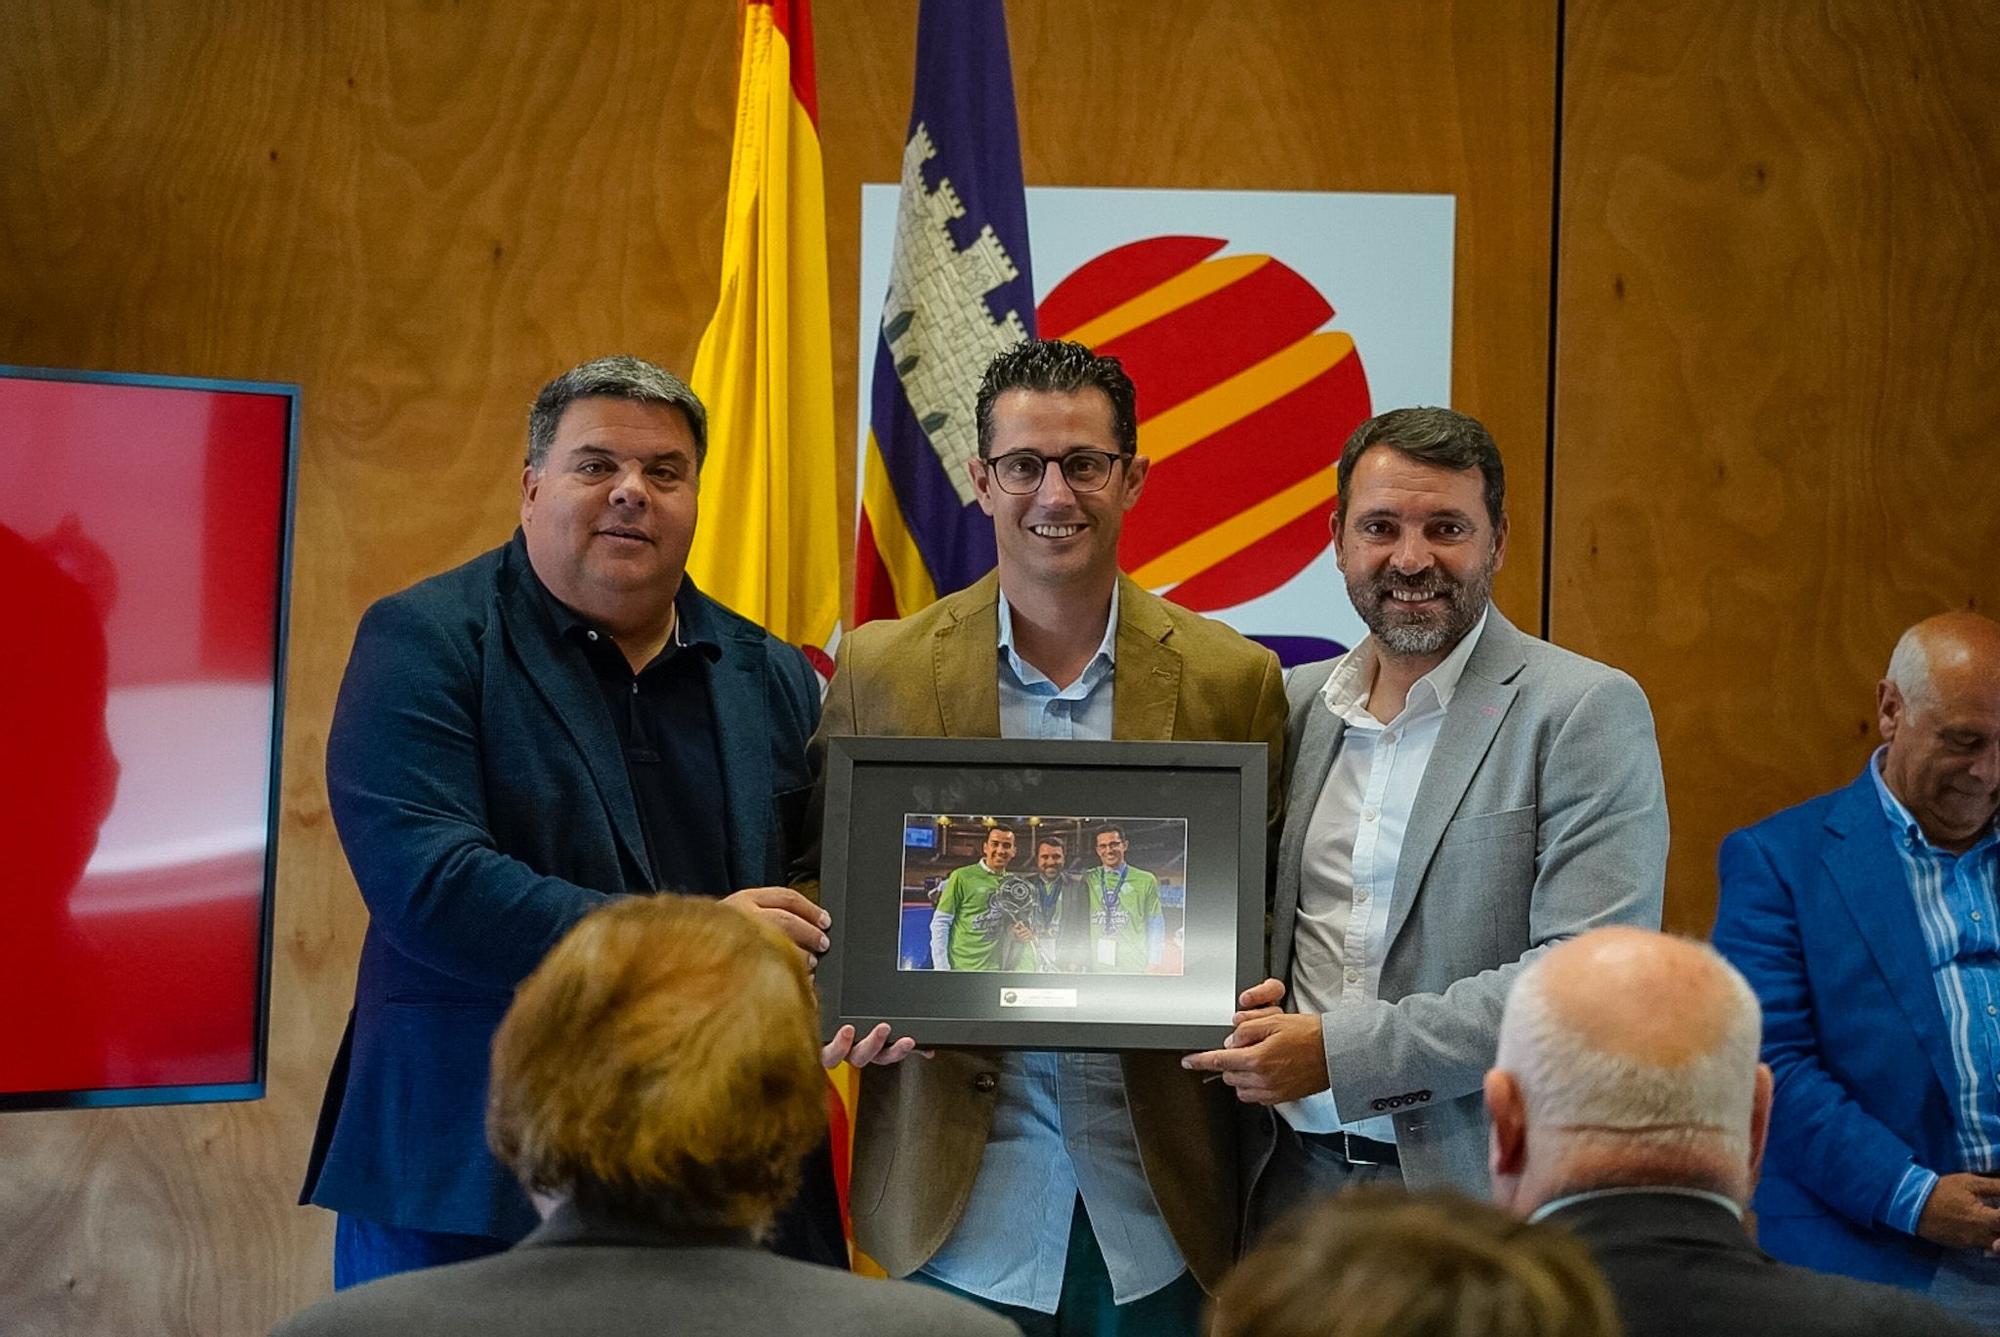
(768, 544)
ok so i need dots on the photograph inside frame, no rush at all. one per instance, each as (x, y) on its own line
(1043, 893)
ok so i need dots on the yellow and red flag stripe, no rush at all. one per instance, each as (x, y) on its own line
(769, 546)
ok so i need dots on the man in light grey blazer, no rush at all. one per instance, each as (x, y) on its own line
(1461, 797)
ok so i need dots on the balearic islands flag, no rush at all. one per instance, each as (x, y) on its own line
(769, 542)
(960, 291)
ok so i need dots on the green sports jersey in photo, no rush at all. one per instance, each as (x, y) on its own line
(978, 930)
(1124, 906)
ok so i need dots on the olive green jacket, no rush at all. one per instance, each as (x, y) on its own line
(921, 1126)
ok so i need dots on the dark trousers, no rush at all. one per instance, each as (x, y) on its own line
(1304, 1169)
(1085, 1308)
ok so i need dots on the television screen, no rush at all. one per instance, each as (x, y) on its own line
(144, 542)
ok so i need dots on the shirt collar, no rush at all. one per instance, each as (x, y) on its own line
(1906, 825)
(1570, 1200)
(691, 620)
(1099, 666)
(1347, 687)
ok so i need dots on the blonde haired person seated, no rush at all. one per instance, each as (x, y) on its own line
(654, 1087)
(1377, 1262)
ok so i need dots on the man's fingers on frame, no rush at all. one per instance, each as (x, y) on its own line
(835, 1051)
(798, 930)
(1267, 994)
(1252, 1033)
(1218, 1060)
(866, 1047)
(791, 902)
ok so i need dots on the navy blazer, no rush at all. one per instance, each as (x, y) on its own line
(1816, 912)
(1679, 1265)
(482, 798)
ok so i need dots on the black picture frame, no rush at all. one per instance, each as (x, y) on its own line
(874, 784)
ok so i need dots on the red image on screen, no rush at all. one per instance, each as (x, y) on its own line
(142, 534)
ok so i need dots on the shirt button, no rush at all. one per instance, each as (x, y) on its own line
(985, 1082)
(1389, 737)
(1353, 976)
(1368, 814)
(1360, 895)
(1992, 1010)
(591, 634)
(1975, 916)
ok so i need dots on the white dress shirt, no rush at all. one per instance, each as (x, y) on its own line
(1352, 845)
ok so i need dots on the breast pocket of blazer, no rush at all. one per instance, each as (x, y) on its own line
(1508, 822)
(1492, 853)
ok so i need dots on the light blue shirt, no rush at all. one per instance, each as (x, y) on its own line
(1061, 1125)
(1954, 895)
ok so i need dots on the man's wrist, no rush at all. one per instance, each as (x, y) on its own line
(1906, 1201)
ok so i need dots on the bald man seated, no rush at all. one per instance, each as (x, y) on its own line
(1628, 1107)
(1865, 920)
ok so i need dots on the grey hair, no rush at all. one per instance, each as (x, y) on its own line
(1910, 668)
(620, 376)
(1571, 1088)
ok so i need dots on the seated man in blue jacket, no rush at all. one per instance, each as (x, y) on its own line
(1865, 920)
(558, 722)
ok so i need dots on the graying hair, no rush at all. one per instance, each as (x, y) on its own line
(620, 376)
(1910, 669)
(1570, 1087)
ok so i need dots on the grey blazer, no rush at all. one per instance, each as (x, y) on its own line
(584, 1277)
(1542, 814)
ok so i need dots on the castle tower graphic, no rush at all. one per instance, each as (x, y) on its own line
(936, 321)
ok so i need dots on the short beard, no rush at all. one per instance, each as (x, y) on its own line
(1405, 634)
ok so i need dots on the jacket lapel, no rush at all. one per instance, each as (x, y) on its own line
(1865, 867)
(565, 685)
(1478, 707)
(737, 696)
(964, 662)
(1313, 753)
(1147, 681)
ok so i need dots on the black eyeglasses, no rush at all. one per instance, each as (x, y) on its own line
(1020, 471)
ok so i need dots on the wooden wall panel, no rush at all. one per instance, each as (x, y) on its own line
(419, 211)
(1778, 389)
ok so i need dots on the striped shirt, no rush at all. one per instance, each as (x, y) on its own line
(1955, 900)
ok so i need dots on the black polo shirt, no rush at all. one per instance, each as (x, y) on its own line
(665, 719)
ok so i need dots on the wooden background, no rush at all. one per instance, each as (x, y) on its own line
(1778, 377)
(1775, 396)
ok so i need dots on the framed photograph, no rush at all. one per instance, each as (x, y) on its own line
(1028, 894)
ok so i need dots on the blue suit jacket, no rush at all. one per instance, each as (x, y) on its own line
(482, 798)
(1817, 914)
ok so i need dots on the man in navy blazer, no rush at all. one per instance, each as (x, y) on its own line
(560, 721)
(1865, 921)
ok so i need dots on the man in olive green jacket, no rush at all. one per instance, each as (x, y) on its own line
(1057, 468)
